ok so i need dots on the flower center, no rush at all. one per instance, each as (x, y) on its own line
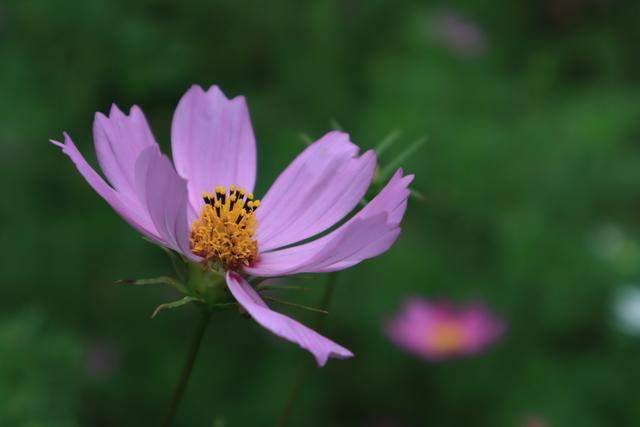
(225, 229)
(447, 337)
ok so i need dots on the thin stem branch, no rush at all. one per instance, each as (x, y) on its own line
(188, 367)
(293, 304)
(303, 372)
(326, 299)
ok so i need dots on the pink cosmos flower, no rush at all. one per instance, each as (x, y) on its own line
(436, 331)
(460, 35)
(201, 206)
(102, 359)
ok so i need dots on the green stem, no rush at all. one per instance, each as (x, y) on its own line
(188, 367)
(303, 372)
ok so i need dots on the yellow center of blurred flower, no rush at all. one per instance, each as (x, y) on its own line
(446, 337)
(225, 229)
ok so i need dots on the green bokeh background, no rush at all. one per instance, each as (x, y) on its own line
(531, 178)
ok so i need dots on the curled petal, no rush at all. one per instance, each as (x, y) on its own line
(369, 233)
(322, 185)
(213, 142)
(165, 194)
(125, 205)
(281, 325)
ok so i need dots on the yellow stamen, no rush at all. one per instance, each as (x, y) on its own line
(447, 337)
(225, 229)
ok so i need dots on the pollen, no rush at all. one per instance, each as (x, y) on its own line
(225, 230)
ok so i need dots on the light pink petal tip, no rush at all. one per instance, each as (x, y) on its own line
(213, 142)
(369, 233)
(283, 326)
(322, 185)
(119, 140)
(126, 206)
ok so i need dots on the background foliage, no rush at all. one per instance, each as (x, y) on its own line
(530, 175)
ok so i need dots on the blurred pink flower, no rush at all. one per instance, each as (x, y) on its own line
(437, 331)
(102, 359)
(201, 205)
(535, 421)
(458, 34)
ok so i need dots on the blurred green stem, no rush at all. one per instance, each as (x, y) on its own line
(188, 367)
(303, 372)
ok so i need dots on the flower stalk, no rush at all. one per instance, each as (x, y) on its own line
(305, 367)
(188, 367)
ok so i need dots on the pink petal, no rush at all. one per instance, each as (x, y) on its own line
(483, 327)
(119, 139)
(369, 233)
(166, 197)
(213, 142)
(322, 185)
(281, 325)
(125, 205)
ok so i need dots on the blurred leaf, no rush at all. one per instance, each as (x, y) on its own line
(40, 372)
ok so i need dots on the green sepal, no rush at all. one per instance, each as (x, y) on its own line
(293, 304)
(415, 194)
(174, 304)
(395, 163)
(208, 285)
(335, 125)
(262, 287)
(306, 139)
(387, 142)
(163, 280)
